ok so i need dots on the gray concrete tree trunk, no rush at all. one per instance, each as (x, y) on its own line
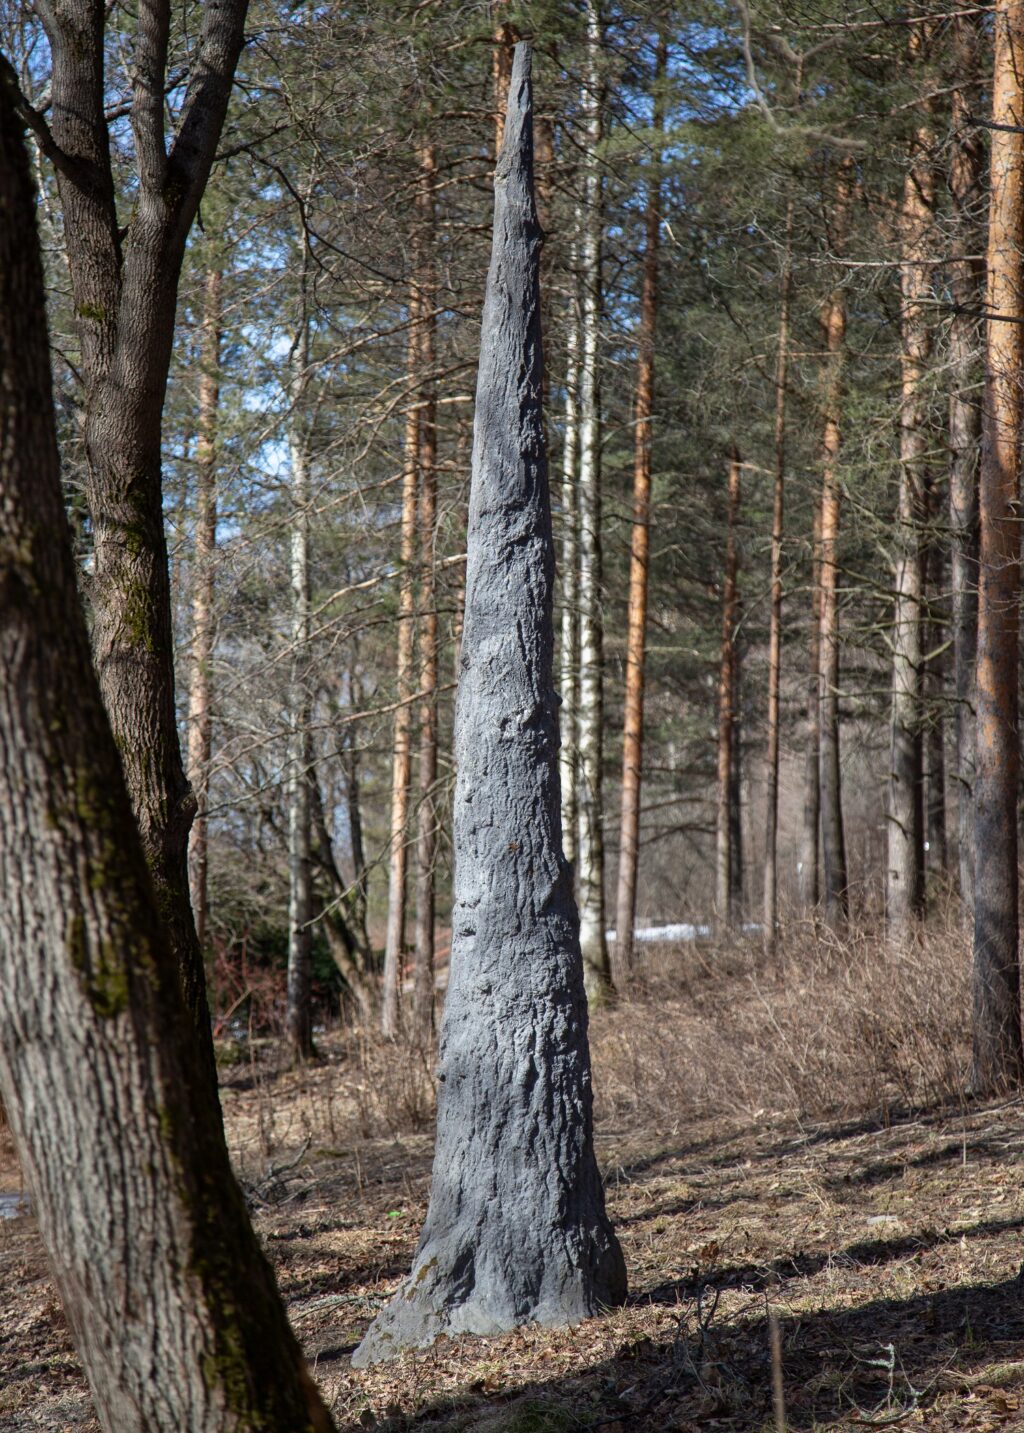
(516, 1231)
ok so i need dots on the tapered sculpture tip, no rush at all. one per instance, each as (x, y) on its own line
(517, 141)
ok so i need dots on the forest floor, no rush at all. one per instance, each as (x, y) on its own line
(887, 1248)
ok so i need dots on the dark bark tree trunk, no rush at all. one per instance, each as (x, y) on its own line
(125, 286)
(905, 886)
(516, 1230)
(724, 887)
(966, 178)
(639, 555)
(810, 842)
(426, 812)
(200, 715)
(346, 939)
(172, 1304)
(998, 1058)
(770, 895)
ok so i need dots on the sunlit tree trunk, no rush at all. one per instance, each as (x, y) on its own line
(810, 843)
(169, 1298)
(639, 554)
(724, 887)
(590, 854)
(998, 1059)
(426, 812)
(569, 647)
(200, 716)
(401, 766)
(770, 907)
(905, 887)
(299, 1016)
(505, 37)
(966, 180)
(833, 840)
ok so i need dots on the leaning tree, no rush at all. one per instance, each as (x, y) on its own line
(516, 1231)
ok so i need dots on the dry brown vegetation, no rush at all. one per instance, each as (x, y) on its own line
(790, 1141)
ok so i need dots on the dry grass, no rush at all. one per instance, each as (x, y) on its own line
(833, 1026)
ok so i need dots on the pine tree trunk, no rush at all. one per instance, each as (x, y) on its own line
(426, 812)
(724, 888)
(200, 716)
(171, 1303)
(905, 887)
(833, 840)
(937, 860)
(298, 1012)
(998, 1059)
(736, 867)
(639, 556)
(505, 37)
(516, 1230)
(810, 843)
(401, 766)
(125, 286)
(770, 906)
(590, 850)
(966, 177)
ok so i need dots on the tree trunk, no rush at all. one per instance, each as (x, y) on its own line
(298, 1013)
(966, 177)
(125, 286)
(505, 37)
(200, 716)
(590, 853)
(569, 651)
(833, 841)
(937, 853)
(516, 1230)
(770, 906)
(346, 938)
(401, 767)
(736, 869)
(998, 1059)
(171, 1303)
(904, 887)
(426, 812)
(639, 553)
(810, 846)
(726, 695)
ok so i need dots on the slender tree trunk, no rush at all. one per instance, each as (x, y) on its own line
(505, 37)
(726, 695)
(639, 554)
(354, 811)
(125, 285)
(966, 178)
(590, 853)
(426, 813)
(170, 1300)
(770, 907)
(905, 886)
(569, 651)
(346, 940)
(810, 844)
(736, 867)
(516, 1230)
(298, 1014)
(937, 855)
(200, 716)
(998, 1062)
(833, 840)
(401, 768)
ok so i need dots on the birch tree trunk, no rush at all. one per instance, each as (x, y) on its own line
(125, 286)
(770, 906)
(639, 552)
(516, 1230)
(200, 716)
(998, 1059)
(172, 1305)
(904, 887)
(966, 178)
(426, 811)
(298, 1013)
(569, 650)
(724, 886)
(590, 852)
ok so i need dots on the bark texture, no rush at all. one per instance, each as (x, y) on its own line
(998, 1058)
(171, 1303)
(639, 556)
(569, 649)
(724, 878)
(516, 1230)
